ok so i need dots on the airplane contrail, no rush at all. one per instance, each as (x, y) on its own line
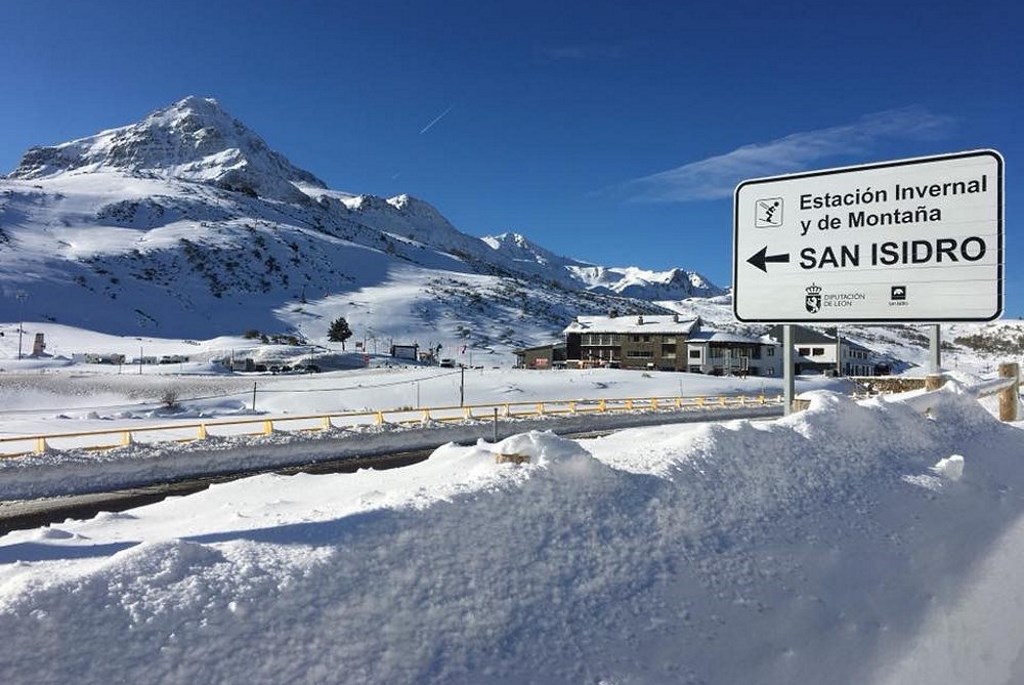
(437, 119)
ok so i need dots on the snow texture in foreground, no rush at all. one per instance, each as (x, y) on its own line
(825, 547)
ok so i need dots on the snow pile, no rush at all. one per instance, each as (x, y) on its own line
(951, 468)
(799, 550)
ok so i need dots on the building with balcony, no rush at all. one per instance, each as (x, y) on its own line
(666, 343)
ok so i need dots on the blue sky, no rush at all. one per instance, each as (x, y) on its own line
(612, 132)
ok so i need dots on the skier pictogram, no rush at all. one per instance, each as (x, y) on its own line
(768, 213)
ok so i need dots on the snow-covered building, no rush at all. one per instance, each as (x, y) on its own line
(666, 343)
(816, 352)
(727, 354)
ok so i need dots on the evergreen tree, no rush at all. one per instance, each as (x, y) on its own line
(339, 331)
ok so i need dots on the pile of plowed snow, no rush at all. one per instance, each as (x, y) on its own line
(850, 543)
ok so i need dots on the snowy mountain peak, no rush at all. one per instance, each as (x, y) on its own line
(516, 247)
(194, 139)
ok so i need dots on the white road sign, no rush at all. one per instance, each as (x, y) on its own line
(908, 240)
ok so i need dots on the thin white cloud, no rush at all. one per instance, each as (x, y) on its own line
(436, 119)
(716, 177)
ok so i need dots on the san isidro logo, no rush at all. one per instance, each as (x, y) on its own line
(812, 300)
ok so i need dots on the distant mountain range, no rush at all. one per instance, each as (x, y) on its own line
(186, 224)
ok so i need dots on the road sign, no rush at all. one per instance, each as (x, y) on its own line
(913, 240)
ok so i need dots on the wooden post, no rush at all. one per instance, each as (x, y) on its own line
(1009, 399)
(801, 405)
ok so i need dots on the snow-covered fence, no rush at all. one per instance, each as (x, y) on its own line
(1007, 386)
(15, 446)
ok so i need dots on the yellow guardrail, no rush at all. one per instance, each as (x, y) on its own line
(20, 445)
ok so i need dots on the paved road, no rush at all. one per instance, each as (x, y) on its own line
(25, 514)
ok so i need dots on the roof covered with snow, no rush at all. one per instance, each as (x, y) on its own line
(645, 323)
(724, 337)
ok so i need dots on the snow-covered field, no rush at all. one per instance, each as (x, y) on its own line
(850, 543)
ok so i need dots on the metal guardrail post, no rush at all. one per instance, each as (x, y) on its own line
(268, 427)
(202, 431)
(41, 446)
(126, 438)
(327, 425)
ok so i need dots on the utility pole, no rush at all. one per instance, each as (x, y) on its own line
(21, 297)
(462, 386)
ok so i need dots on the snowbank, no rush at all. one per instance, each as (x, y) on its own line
(829, 546)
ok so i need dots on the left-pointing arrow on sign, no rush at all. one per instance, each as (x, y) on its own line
(761, 258)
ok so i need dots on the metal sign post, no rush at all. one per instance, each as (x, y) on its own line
(788, 382)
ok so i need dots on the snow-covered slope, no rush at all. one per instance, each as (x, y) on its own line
(188, 225)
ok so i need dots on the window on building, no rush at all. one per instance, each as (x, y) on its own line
(803, 351)
(817, 351)
(770, 351)
(639, 354)
(694, 354)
